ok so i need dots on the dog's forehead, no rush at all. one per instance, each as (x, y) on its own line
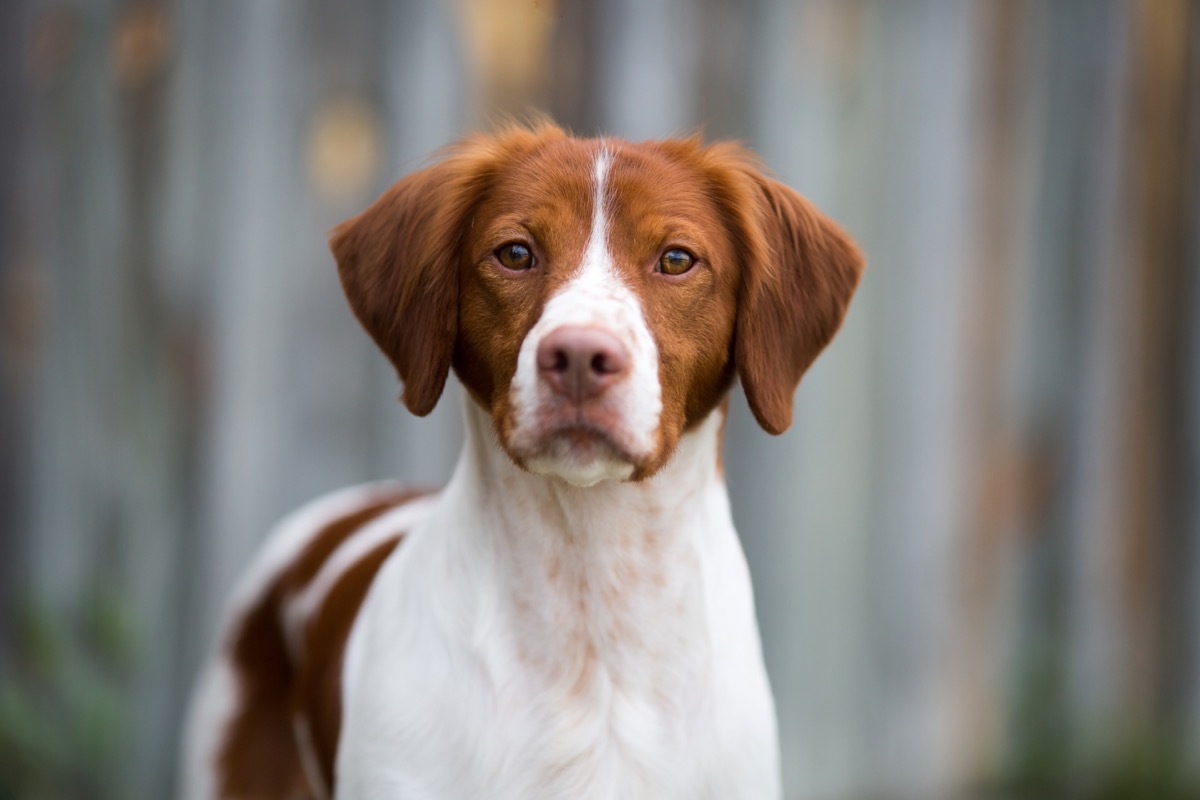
(643, 184)
(656, 199)
(557, 177)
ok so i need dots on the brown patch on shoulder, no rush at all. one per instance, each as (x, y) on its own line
(258, 755)
(317, 695)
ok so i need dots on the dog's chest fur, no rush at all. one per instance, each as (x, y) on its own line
(580, 658)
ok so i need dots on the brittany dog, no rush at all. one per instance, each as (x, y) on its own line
(571, 616)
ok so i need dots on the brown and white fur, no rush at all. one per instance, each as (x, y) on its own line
(571, 616)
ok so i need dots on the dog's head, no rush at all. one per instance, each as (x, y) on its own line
(596, 296)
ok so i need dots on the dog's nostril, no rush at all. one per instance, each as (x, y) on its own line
(561, 361)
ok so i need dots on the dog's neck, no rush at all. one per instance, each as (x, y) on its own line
(589, 516)
(614, 571)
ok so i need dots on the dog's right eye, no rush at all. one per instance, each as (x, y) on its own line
(676, 262)
(515, 256)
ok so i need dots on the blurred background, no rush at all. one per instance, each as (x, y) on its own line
(976, 554)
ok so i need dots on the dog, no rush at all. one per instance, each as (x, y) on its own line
(571, 616)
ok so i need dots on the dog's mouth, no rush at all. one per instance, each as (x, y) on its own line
(581, 451)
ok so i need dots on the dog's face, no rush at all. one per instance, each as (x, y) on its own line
(597, 297)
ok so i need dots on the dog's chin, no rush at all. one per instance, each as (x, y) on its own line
(581, 456)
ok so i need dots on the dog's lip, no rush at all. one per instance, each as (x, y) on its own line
(579, 425)
(592, 433)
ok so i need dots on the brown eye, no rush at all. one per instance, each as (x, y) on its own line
(515, 256)
(676, 262)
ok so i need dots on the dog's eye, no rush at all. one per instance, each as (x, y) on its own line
(676, 262)
(515, 256)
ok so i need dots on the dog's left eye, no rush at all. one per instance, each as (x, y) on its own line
(676, 262)
(515, 256)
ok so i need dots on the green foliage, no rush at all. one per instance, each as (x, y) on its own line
(65, 719)
(1040, 751)
(1148, 769)
(1050, 759)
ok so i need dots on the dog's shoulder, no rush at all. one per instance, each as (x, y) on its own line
(285, 633)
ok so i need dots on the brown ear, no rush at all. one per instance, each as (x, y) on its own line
(398, 262)
(800, 272)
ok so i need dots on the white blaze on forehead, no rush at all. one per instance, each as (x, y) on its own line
(596, 296)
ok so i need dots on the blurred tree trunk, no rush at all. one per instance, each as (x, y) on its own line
(1006, 476)
(1156, 481)
(1068, 675)
(19, 319)
(920, 472)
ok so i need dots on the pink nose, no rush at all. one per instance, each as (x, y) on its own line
(580, 363)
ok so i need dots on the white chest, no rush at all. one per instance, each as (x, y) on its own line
(437, 716)
(499, 659)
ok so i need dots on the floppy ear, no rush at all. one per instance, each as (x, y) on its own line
(398, 263)
(799, 274)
